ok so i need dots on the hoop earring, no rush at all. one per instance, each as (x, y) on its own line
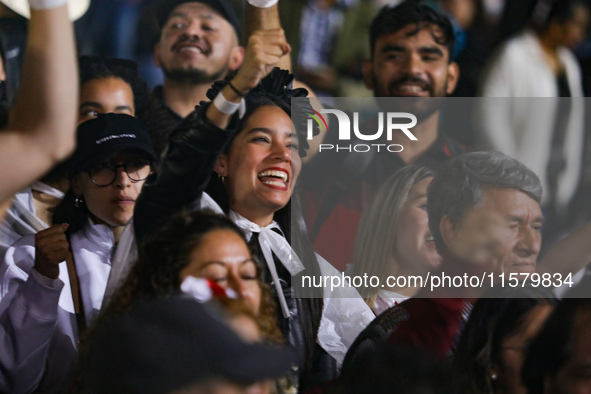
(78, 201)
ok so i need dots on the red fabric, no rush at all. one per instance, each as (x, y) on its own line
(347, 220)
(433, 324)
(216, 290)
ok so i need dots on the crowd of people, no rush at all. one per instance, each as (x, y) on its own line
(157, 241)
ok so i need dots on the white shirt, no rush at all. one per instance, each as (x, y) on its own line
(38, 327)
(21, 217)
(517, 118)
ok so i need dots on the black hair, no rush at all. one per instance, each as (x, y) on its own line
(226, 8)
(72, 209)
(396, 369)
(551, 349)
(71, 212)
(499, 314)
(563, 11)
(391, 19)
(274, 90)
(148, 108)
(165, 253)
(156, 275)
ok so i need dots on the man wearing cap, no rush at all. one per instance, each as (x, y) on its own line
(200, 43)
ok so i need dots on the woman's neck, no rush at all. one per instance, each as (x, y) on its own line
(44, 204)
(116, 230)
(550, 50)
(260, 219)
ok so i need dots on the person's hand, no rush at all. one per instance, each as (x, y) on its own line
(51, 248)
(263, 51)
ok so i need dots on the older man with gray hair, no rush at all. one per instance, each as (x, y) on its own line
(484, 207)
(485, 217)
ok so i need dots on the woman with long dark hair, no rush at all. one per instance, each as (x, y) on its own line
(493, 344)
(244, 138)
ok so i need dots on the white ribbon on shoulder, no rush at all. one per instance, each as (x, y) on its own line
(271, 242)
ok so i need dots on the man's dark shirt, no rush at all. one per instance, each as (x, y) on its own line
(174, 117)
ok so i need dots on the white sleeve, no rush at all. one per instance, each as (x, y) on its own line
(28, 317)
(344, 315)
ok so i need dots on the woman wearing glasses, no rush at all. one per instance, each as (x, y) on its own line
(106, 85)
(53, 283)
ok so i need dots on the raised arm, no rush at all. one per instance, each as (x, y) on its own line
(193, 148)
(41, 124)
(258, 19)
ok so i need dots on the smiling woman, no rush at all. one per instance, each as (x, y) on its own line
(256, 158)
(393, 237)
(259, 169)
(46, 303)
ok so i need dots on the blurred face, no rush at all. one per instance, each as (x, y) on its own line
(262, 166)
(575, 376)
(246, 328)
(197, 45)
(502, 232)
(414, 248)
(574, 32)
(104, 95)
(463, 11)
(111, 205)
(410, 64)
(223, 257)
(513, 349)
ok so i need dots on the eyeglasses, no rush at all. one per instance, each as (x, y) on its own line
(105, 174)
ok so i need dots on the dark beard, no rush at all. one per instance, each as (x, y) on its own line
(194, 77)
(421, 107)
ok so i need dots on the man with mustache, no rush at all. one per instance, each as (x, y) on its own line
(200, 44)
(411, 47)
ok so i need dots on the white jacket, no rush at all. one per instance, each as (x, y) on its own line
(38, 328)
(518, 119)
(20, 218)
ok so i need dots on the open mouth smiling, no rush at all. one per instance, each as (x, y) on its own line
(191, 47)
(276, 177)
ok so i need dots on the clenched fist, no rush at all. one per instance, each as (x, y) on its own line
(51, 248)
(263, 51)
